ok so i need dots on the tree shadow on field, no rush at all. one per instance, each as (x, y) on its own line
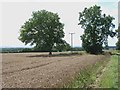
(55, 55)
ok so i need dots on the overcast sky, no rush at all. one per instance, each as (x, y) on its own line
(14, 14)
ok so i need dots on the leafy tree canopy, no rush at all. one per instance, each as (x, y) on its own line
(42, 30)
(63, 46)
(97, 27)
(118, 36)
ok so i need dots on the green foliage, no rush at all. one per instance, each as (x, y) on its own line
(43, 30)
(118, 44)
(118, 36)
(87, 75)
(109, 78)
(77, 49)
(10, 50)
(15, 50)
(97, 27)
(63, 46)
(27, 50)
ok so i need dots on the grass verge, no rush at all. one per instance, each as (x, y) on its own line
(87, 76)
(109, 79)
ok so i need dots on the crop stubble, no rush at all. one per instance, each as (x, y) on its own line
(23, 71)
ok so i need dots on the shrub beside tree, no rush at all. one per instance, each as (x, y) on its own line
(63, 46)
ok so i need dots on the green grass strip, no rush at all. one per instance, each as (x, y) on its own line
(87, 76)
(109, 79)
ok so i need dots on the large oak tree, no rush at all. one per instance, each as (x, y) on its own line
(42, 30)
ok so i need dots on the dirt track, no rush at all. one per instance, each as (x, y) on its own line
(27, 71)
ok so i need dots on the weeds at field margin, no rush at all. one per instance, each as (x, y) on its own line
(87, 76)
(109, 78)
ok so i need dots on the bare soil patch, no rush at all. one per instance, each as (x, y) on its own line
(21, 70)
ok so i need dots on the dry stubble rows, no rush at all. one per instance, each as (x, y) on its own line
(24, 71)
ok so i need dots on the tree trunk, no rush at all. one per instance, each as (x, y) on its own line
(50, 53)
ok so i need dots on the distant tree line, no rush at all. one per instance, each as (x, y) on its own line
(11, 50)
(23, 50)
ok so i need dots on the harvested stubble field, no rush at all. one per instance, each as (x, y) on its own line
(30, 70)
